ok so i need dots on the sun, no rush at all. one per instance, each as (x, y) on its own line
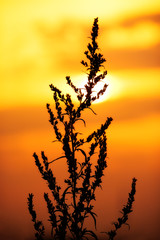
(113, 89)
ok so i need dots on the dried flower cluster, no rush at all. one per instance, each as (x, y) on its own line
(83, 177)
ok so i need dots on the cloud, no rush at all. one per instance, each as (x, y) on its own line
(133, 43)
(139, 36)
(21, 120)
(127, 109)
(133, 58)
(133, 20)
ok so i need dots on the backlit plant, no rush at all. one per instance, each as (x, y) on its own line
(67, 219)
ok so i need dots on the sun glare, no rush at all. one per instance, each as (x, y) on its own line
(113, 90)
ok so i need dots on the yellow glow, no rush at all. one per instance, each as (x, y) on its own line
(54, 10)
(128, 83)
(37, 43)
(112, 91)
(139, 83)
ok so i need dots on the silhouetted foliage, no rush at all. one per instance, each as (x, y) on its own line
(83, 177)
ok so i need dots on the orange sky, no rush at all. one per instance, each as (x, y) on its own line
(41, 43)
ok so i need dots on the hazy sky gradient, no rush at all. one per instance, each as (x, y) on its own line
(41, 43)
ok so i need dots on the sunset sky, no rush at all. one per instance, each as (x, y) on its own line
(42, 42)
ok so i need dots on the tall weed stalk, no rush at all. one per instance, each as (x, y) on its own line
(84, 177)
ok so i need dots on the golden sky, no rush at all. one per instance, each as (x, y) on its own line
(42, 42)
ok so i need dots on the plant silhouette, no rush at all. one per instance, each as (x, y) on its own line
(67, 219)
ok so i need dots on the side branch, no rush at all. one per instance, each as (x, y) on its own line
(38, 226)
(125, 211)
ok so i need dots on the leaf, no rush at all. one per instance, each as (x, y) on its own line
(80, 119)
(57, 159)
(65, 192)
(92, 110)
(93, 215)
(55, 141)
(83, 152)
(91, 233)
